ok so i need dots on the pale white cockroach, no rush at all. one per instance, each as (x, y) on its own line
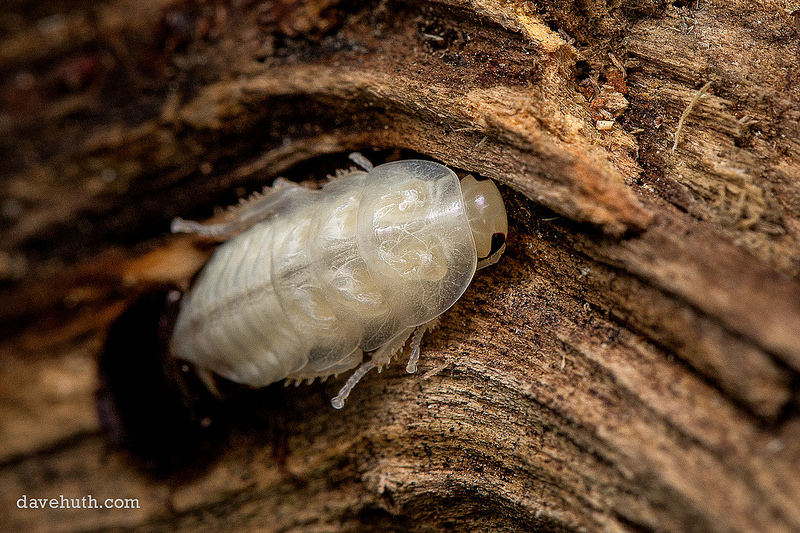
(311, 280)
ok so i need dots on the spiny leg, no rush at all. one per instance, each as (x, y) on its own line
(220, 231)
(379, 358)
(350, 361)
(383, 355)
(416, 340)
(361, 161)
(338, 401)
(257, 208)
(390, 348)
(492, 259)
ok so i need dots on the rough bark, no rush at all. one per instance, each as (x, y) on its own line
(630, 364)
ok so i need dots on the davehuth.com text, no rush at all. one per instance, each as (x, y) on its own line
(84, 502)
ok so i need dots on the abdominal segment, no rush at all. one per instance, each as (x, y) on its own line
(305, 292)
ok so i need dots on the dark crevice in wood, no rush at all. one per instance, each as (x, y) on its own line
(631, 364)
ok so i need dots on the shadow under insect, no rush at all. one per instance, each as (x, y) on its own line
(150, 403)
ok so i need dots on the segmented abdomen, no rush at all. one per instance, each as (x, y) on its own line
(232, 320)
(334, 272)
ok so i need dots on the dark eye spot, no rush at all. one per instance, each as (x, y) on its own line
(498, 240)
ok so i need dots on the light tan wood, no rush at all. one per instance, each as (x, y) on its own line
(630, 364)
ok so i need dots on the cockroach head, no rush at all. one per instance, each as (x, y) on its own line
(487, 217)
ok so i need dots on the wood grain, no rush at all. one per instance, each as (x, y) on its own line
(631, 364)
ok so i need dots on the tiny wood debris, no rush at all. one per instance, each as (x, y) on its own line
(631, 364)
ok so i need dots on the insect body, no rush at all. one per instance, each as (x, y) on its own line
(316, 278)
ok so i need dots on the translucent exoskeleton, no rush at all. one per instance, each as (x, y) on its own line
(311, 280)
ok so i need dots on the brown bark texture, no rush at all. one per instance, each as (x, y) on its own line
(631, 363)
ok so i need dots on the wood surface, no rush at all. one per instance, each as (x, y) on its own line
(631, 364)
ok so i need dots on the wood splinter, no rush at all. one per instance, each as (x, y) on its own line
(686, 112)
